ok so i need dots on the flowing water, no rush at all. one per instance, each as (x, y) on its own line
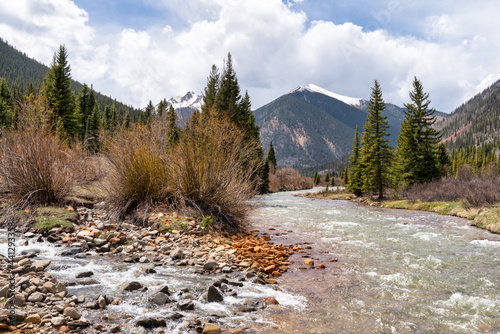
(398, 271)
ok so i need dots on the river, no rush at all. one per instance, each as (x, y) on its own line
(398, 271)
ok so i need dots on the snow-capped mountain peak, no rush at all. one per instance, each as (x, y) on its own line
(189, 100)
(352, 101)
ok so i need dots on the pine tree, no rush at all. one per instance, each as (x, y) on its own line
(92, 140)
(376, 153)
(5, 95)
(85, 106)
(271, 156)
(415, 159)
(6, 116)
(126, 121)
(61, 99)
(228, 96)
(355, 168)
(327, 177)
(345, 176)
(332, 181)
(161, 108)
(210, 91)
(316, 179)
(173, 128)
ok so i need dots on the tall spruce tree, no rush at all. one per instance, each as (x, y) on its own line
(85, 106)
(92, 140)
(210, 91)
(316, 179)
(228, 95)
(355, 170)
(6, 116)
(173, 128)
(376, 153)
(416, 159)
(161, 108)
(271, 156)
(61, 99)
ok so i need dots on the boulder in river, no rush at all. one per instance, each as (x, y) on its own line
(214, 295)
(132, 286)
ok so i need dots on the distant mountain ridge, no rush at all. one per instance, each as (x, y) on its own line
(189, 100)
(476, 122)
(310, 125)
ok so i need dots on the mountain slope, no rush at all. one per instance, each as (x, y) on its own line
(19, 71)
(309, 126)
(475, 122)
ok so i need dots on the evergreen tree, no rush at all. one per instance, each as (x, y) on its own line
(5, 95)
(6, 117)
(92, 140)
(228, 96)
(210, 91)
(332, 181)
(327, 177)
(173, 128)
(443, 159)
(345, 176)
(355, 168)
(85, 105)
(316, 179)
(161, 108)
(271, 156)
(416, 159)
(126, 121)
(376, 153)
(61, 99)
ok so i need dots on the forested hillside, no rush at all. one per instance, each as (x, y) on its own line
(20, 71)
(476, 122)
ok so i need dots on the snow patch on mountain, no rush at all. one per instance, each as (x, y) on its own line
(352, 101)
(189, 100)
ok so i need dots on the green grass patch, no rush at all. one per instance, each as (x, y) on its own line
(49, 217)
(334, 195)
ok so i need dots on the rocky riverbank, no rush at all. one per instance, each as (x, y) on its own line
(43, 304)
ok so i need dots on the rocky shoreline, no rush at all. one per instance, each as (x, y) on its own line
(43, 304)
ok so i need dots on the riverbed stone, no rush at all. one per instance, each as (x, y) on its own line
(58, 321)
(42, 263)
(159, 298)
(72, 313)
(101, 301)
(270, 301)
(209, 266)
(132, 286)
(36, 297)
(164, 289)
(85, 274)
(185, 305)
(177, 254)
(33, 319)
(211, 329)
(149, 322)
(214, 295)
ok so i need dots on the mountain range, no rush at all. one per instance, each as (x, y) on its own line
(310, 125)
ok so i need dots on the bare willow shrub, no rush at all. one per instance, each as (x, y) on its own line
(212, 167)
(139, 174)
(35, 167)
(287, 179)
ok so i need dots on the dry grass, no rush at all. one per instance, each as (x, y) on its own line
(209, 171)
(35, 168)
(473, 191)
(288, 179)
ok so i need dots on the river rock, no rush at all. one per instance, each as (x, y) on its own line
(214, 295)
(174, 316)
(177, 254)
(36, 297)
(132, 286)
(84, 274)
(164, 289)
(82, 322)
(18, 298)
(42, 263)
(58, 321)
(211, 329)
(185, 305)
(148, 322)
(159, 298)
(72, 313)
(270, 301)
(33, 319)
(101, 301)
(209, 266)
(100, 242)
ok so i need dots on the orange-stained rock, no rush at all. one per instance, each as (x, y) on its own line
(309, 262)
(276, 273)
(270, 269)
(95, 234)
(114, 240)
(174, 214)
(159, 239)
(70, 208)
(121, 234)
(63, 329)
(320, 266)
(68, 239)
(270, 301)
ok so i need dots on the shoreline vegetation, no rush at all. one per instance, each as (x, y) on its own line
(482, 216)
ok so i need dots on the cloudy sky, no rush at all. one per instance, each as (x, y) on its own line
(141, 50)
